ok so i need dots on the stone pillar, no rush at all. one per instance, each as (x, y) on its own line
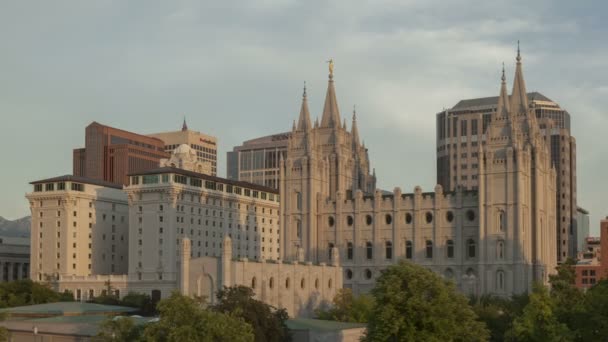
(185, 267)
(226, 262)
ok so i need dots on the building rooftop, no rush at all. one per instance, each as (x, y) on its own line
(65, 309)
(205, 177)
(493, 101)
(78, 179)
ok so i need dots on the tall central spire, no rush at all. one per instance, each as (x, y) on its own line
(354, 130)
(519, 98)
(331, 114)
(304, 120)
(184, 125)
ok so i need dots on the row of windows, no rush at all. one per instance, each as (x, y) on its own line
(388, 218)
(288, 283)
(388, 249)
(60, 187)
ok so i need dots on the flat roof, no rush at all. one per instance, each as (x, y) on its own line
(65, 309)
(168, 169)
(78, 179)
(493, 101)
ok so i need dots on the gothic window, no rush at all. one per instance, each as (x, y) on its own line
(389, 249)
(287, 283)
(349, 274)
(389, 219)
(471, 215)
(429, 217)
(331, 221)
(329, 248)
(253, 283)
(317, 284)
(302, 283)
(408, 249)
(299, 200)
(500, 246)
(368, 220)
(408, 218)
(450, 248)
(470, 248)
(500, 280)
(429, 249)
(369, 249)
(449, 216)
(349, 251)
(368, 274)
(349, 220)
(271, 282)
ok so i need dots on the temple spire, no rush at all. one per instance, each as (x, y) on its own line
(184, 125)
(304, 120)
(519, 97)
(331, 114)
(503, 99)
(354, 130)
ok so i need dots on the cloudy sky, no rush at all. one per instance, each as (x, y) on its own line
(235, 70)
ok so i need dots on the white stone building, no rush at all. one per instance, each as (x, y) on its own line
(79, 228)
(497, 239)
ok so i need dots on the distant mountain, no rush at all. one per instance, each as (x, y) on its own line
(16, 228)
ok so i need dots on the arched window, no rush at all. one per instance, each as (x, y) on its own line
(449, 216)
(349, 220)
(388, 218)
(368, 220)
(471, 248)
(302, 283)
(408, 218)
(389, 249)
(329, 284)
(349, 251)
(329, 248)
(501, 221)
(429, 217)
(450, 248)
(500, 250)
(331, 221)
(500, 280)
(253, 283)
(349, 274)
(368, 274)
(271, 282)
(317, 284)
(370, 250)
(287, 283)
(429, 249)
(408, 249)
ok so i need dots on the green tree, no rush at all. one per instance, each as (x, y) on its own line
(346, 307)
(567, 298)
(415, 304)
(27, 292)
(538, 321)
(267, 322)
(498, 313)
(141, 301)
(120, 328)
(592, 322)
(184, 319)
(3, 330)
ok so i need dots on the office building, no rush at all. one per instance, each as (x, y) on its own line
(582, 228)
(79, 228)
(591, 268)
(257, 160)
(204, 145)
(110, 154)
(463, 127)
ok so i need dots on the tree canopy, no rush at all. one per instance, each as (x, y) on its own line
(268, 323)
(346, 307)
(27, 292)
(414, 304)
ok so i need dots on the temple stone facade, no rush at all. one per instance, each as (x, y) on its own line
(497, 239)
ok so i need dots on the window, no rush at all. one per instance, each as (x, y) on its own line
(287, 283)
(471, 248)
(501, 220)
(368, 220)
(331, 221)
(449, 216)
(408, 249)
(388, 218)
(429, 249)
(253, 283)
(349, 251)
(369, 250)
(368, 274)
(330, 246)
(389, 249)
(500, 246)
(450, 248)
(408, 218)
(349, 220)
(349, 274)
(500, 280)
(471, 215)
(429, 217)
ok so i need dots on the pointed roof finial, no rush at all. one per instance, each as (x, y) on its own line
(518, 54)
(354, 112)
(184, 125)
(503, 78)
(304, 94)
(331, 68)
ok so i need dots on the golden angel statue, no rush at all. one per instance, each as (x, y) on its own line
(331, 66)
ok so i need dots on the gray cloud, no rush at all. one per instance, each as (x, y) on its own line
(236, 71)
